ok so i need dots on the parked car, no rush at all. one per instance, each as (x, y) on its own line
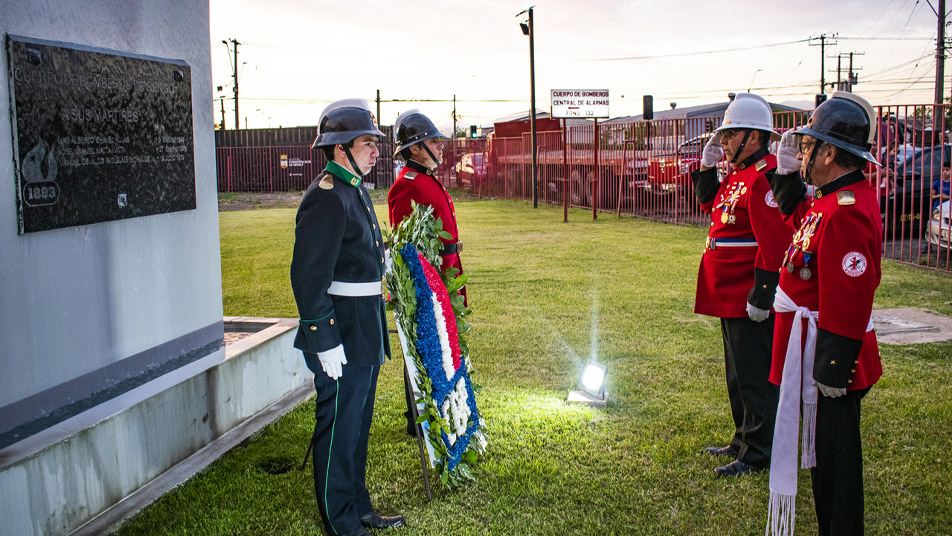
(471, 168)
(906, 205)
(940, 225)
(670, 173)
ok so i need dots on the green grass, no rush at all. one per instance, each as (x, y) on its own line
(546, 296)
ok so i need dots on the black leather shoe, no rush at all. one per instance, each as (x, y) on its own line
(721, 451)
(737, 468)
(374, 521)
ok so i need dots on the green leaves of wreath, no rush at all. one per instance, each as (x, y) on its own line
(424, 231)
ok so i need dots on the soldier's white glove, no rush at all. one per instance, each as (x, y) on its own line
(787, 153)
(831, 392)
(713, 152)
(333, 361)
(756, 313)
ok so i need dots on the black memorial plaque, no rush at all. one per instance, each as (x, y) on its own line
(98, 135)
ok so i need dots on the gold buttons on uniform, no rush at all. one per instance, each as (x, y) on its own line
(313, 328)
(332, 321)
(376, 243)
(833, 362)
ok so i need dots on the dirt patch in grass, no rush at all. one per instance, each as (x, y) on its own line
(250, 201)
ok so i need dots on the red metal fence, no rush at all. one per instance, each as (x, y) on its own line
(643, 169)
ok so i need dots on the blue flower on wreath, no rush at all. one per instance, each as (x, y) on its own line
(431, 354)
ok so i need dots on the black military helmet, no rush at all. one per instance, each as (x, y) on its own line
(343, 121)
(412, 127)
(845, 121)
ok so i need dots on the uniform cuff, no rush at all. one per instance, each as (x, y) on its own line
(836, 359)
(762, 294)
(705, 185)
(318, 335)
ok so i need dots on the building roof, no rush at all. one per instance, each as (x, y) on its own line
(703, 110)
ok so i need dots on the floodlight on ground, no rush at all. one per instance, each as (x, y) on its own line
(592, 385)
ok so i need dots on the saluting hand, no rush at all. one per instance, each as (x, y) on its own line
(787, 152)
(713, 152)
(333, 361)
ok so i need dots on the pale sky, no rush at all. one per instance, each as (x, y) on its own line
(302, 54)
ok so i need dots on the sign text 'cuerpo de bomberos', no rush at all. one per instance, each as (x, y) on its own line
(586, 103)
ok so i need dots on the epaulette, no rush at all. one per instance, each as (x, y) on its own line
(845, 198)
(761, 164)
(410, 175)
(327, 183)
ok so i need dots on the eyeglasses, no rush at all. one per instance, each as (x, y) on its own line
(727, 133)
(805, 146)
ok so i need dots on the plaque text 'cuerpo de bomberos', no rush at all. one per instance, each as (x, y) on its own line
(98, 135)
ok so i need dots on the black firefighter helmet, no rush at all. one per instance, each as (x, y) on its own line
(412, 127)
(344, 121)
(846, 122)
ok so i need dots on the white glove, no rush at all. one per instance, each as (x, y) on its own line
(713, 152)
(333, 361)
(756, 313)
(831, 392)
(787, 152)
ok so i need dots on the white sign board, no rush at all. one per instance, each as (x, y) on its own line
(591, 103)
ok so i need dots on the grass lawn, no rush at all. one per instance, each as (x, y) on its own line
(546, 296)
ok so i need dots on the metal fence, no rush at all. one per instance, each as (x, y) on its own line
(643, 169)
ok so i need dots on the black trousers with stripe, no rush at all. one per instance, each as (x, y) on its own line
(838, 476)
(344, 411)
(753, 399)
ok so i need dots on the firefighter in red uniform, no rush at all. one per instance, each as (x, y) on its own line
(419, 143)
(738, 273)
(825, 349)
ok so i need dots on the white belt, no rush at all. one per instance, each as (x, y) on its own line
(343, 288)
(714, 243)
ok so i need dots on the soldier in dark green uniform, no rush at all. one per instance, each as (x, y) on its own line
(336, 274)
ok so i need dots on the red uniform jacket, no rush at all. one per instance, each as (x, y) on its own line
(839, 242)
(417, 183)
(743, 210)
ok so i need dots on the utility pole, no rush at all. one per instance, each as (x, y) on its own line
(234, 75)
(528, 29)
(940, 55)
(222, 100)
(454, 117)
(852, 77)
(378, 106)
(845, 83)
(822, 45)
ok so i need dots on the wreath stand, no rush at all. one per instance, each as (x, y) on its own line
(410, 383)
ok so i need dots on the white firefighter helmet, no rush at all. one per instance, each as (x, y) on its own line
(749, 111)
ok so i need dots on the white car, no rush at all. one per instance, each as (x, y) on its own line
(940, 225)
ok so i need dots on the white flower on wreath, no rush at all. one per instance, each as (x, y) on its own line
(444, 337)
(456, 411)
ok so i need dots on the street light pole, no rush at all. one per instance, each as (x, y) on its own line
(529, 29)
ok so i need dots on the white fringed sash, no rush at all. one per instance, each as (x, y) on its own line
(797, 383)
